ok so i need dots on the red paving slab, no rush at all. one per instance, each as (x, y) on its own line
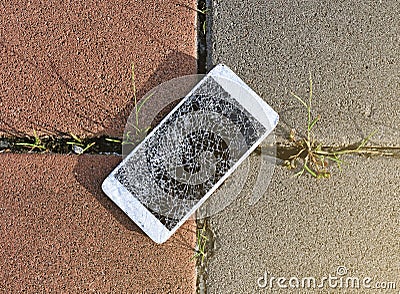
(61, 234)
(65, 65)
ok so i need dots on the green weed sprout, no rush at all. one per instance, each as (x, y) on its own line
(37, 144)
(203, 12)
(113, 140)
(315, 158)
(201, 245)
(138, 133)
(78, 146)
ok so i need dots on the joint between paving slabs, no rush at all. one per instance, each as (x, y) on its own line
(203, 252)
(202, 34)
(284, 151)
(111, 145)
(61, 145)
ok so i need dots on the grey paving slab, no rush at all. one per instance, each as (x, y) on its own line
(304, 227)
(351, 49)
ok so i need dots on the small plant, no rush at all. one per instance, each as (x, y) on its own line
(315, 158)
(37, 144)
(78, 146)
(203, 11)
(139, 133)
(201, 245)
(129, 139)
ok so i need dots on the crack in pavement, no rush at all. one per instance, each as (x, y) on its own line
(107, 145)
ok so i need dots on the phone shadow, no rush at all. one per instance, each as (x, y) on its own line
(91, 170)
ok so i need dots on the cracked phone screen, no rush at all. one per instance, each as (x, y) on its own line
(189, 152)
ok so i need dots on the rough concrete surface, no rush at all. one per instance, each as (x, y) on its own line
(304, 227)
(351, 48)
(65, 66)
(60, 233)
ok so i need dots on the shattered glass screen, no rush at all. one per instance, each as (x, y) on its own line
(189, 153)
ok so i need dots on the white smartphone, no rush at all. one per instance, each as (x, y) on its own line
(173, 171)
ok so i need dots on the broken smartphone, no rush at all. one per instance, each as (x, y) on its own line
(184, 159)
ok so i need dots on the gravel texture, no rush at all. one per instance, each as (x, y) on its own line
(350, 47)
(304, 227)
(61, 234)
(65, 66)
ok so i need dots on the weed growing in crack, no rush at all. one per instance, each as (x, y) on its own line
(138, 134)
(78, 146)
(203, 11)
(37, 143)
(201, 245)
(314, 157)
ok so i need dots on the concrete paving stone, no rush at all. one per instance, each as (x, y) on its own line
(65, 66)
(61, 234)
(350, 47)
(304, 227)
